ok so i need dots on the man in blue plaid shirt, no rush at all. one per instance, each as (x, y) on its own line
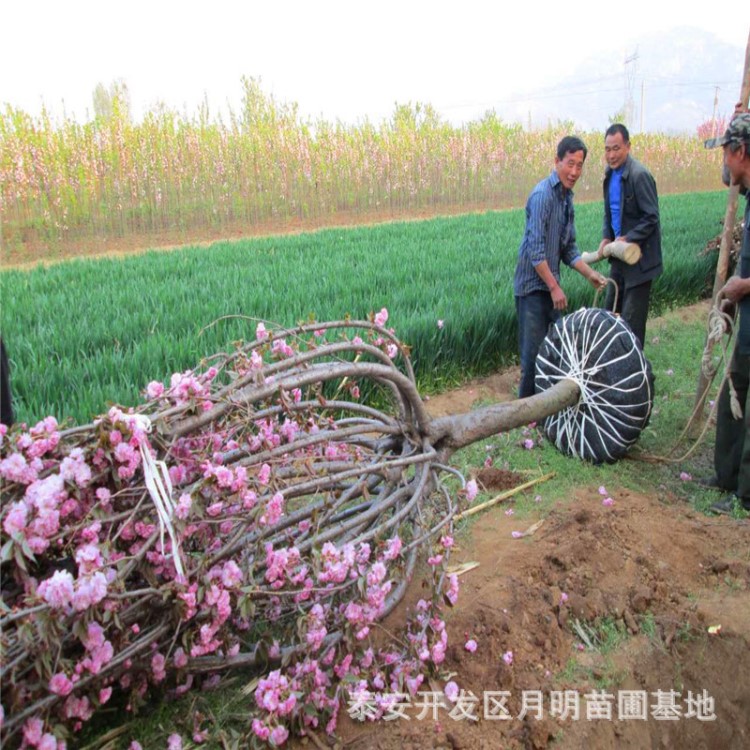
(550, 237)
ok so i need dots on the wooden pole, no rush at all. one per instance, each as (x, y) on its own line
(722, 265)
(503, 496)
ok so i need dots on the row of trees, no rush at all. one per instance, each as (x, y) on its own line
(265, 166)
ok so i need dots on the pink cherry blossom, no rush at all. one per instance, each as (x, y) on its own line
(453, 587)
(15, 468)
(60, 684)
(471, 490)
(471, 645)
(451, 691)
(392, 548)
(158, 664)
(89, 559)
(279, 735)
(508, 657)
(180, 658)
(90, 590)
(381, 318)
(260, 730)
(182, 509)
(58, 590)
(264, 474)
(231, 575)
(14, 522)
(32, 731)
(154, 389)
(79, 708)
(274, 510)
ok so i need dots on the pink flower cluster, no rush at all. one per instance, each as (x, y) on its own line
(64, 593)
(185, 389)
(87, 506)
(35, 736)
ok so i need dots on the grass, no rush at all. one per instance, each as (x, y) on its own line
(83, 334)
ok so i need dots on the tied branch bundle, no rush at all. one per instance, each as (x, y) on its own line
(253, 514)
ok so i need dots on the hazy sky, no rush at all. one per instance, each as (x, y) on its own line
(337, 59)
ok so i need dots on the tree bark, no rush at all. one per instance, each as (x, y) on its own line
(449, 434)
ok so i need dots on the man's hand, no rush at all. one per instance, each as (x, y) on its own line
(596, 280)
(730, 310)
(559, 300)
(735, 289)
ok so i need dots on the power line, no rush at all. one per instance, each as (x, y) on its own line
(567, 92)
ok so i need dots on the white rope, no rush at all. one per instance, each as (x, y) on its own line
(159, 485)
(595, 413)
(719, 324)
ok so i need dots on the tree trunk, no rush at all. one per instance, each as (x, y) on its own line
(449, 434)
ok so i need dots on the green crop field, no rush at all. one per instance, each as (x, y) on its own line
(87, 333)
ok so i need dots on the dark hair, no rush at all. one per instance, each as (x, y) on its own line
(569, 145)
(616, 128)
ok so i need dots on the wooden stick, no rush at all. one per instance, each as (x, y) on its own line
(722, 265)
(503, 496)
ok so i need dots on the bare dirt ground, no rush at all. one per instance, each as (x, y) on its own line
(644, 555)
(657, 572)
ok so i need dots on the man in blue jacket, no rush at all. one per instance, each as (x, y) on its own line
(631, 213)
(549, 237)
(732, 449)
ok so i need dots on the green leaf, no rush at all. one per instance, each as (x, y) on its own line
(7, 551)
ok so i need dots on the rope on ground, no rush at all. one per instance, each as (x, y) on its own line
(721, 334)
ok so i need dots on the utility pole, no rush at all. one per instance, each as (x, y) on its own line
(713, 116)
(630, 68)
(643, 98)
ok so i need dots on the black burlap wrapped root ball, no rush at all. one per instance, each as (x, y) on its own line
(598, 351)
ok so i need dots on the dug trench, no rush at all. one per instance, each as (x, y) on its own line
(603, 602)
